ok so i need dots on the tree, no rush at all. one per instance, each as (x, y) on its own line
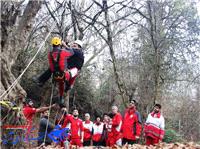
(17, 24)
(165, 33)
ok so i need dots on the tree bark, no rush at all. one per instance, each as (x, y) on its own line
(15, 32)
(120, 84)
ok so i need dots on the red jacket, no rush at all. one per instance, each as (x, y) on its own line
(29, 113)
(64, 55)
(110, 139)
(154, 126)
(87, 130)
(116, 126)
(97, 132)
(76, 126)
(131, 127)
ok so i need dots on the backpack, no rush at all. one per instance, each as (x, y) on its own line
(58, 75)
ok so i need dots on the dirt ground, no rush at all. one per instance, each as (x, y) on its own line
(189, 145)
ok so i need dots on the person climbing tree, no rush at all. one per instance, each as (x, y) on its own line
(74, 62)
(58, 63)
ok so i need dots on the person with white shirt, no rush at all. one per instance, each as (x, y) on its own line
(154, 126)
(97, 136)
(87, 126)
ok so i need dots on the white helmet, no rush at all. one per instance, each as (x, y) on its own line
(80, 43)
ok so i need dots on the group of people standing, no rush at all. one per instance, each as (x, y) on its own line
(112, 128)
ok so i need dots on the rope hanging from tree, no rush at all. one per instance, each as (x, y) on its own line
(19, 77)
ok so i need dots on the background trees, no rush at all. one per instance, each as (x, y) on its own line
(143, 50)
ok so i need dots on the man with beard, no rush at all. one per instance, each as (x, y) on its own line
(76, 128)
(131, 128)
(154, 126)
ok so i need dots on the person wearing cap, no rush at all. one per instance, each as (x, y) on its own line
(154, 126)
(87, 125)
(29, 112)
(116, 126)
(131, 128)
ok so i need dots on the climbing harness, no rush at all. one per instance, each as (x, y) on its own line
(58, 75)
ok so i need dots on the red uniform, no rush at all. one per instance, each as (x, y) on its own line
(97, 132)
(116, 127)
(154, 128)
(76, 129)
(29, 114)
(87, 130)
(110, 140)
(64, 55)
(131, 127)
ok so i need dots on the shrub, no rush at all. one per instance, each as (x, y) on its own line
(172, 136)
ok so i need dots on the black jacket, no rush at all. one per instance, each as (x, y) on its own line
(42, 129)
(76, 60)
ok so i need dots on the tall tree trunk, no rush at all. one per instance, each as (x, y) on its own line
(15, 32)
(119, 81)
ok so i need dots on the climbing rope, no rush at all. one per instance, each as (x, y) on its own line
(45, 135)
(61, 118)
(19, 77)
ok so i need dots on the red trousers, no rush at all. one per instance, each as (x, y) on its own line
(76, 142)
(68, 77)
(110, 141)
(151, 141)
